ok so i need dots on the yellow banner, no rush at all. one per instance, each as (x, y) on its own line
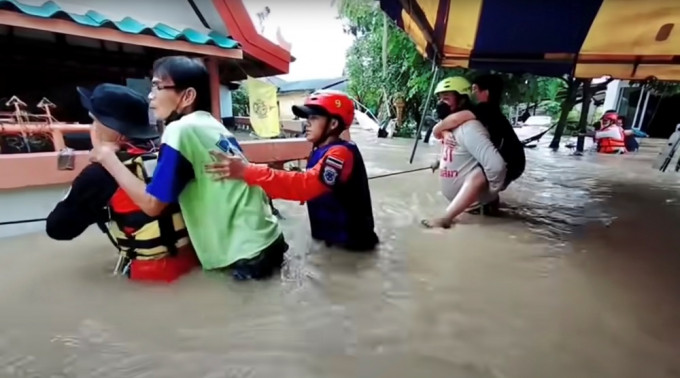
(264, 111)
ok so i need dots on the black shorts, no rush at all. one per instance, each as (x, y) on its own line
(263, 265)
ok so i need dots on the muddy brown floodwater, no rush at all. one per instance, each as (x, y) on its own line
(581, 278)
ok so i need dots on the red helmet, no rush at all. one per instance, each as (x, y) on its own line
(328, 103)
(611, 117)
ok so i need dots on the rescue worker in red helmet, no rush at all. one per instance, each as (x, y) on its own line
(335, 184)
(611, 138)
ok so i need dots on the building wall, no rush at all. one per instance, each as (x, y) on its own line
(286, 102)
(226, 104)
(611, 99)
(21, 199)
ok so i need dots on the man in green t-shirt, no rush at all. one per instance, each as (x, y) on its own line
(230, 224)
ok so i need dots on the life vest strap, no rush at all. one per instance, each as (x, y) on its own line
(135, 220)
(136, 163)
(137, 235)
(131, 244)
(168, 233)
(166, 227)
(105, 229)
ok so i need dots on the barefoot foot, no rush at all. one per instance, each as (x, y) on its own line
(436, 223)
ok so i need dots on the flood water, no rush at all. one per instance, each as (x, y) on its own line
(580, 278)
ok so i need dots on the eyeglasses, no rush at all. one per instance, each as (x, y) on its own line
(155, 87)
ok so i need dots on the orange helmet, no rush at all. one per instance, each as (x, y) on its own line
(328, 103)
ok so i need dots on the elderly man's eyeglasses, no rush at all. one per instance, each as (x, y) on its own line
(155, 87)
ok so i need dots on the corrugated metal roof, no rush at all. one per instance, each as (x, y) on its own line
(92, 18)
(276, 81)
(341, 86)
(310, 85)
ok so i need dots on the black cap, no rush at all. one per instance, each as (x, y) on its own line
(304, 111)
(119, 108)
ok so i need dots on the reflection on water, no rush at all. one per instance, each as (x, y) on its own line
(580, 279)
(560, 193)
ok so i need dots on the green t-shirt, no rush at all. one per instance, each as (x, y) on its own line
(227, 220)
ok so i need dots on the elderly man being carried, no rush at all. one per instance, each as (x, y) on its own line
(472, 171)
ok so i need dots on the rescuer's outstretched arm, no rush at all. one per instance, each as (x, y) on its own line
(332, 169)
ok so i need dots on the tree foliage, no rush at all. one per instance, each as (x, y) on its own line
(240, 102)
(409, 74)
(551, 89)
(661, 88)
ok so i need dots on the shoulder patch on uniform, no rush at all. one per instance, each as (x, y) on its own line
(330, 175)
(335, 162)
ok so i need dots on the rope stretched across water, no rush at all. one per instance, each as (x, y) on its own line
(525, 142)
(9, 223)
(400, 172)
(22, 221)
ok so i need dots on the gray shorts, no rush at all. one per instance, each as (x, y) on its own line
(451, 187)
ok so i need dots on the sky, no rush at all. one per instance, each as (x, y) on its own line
(311, 26)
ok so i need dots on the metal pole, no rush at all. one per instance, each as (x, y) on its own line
(644, 109)
(435, 73)
(583, 121)
(386, 98)
(385, 37)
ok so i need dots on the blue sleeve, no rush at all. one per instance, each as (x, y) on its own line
(173, 172)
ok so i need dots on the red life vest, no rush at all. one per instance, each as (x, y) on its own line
(149, 246)
(612, 145)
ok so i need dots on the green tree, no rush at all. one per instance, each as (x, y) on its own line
(661, 88)
(240, 102)
(552, 89)
(408, 72)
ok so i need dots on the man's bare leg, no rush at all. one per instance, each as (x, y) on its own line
(473, 187)
(491, 208)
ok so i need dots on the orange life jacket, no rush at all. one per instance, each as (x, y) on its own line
(612, 145)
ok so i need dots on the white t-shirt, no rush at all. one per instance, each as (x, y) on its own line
(473, 149)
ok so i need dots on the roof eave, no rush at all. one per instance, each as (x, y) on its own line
(70, 28)
(238, 22)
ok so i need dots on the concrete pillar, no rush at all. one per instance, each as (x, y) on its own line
(214, 72)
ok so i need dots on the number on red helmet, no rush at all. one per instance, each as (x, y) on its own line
(336, 103)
